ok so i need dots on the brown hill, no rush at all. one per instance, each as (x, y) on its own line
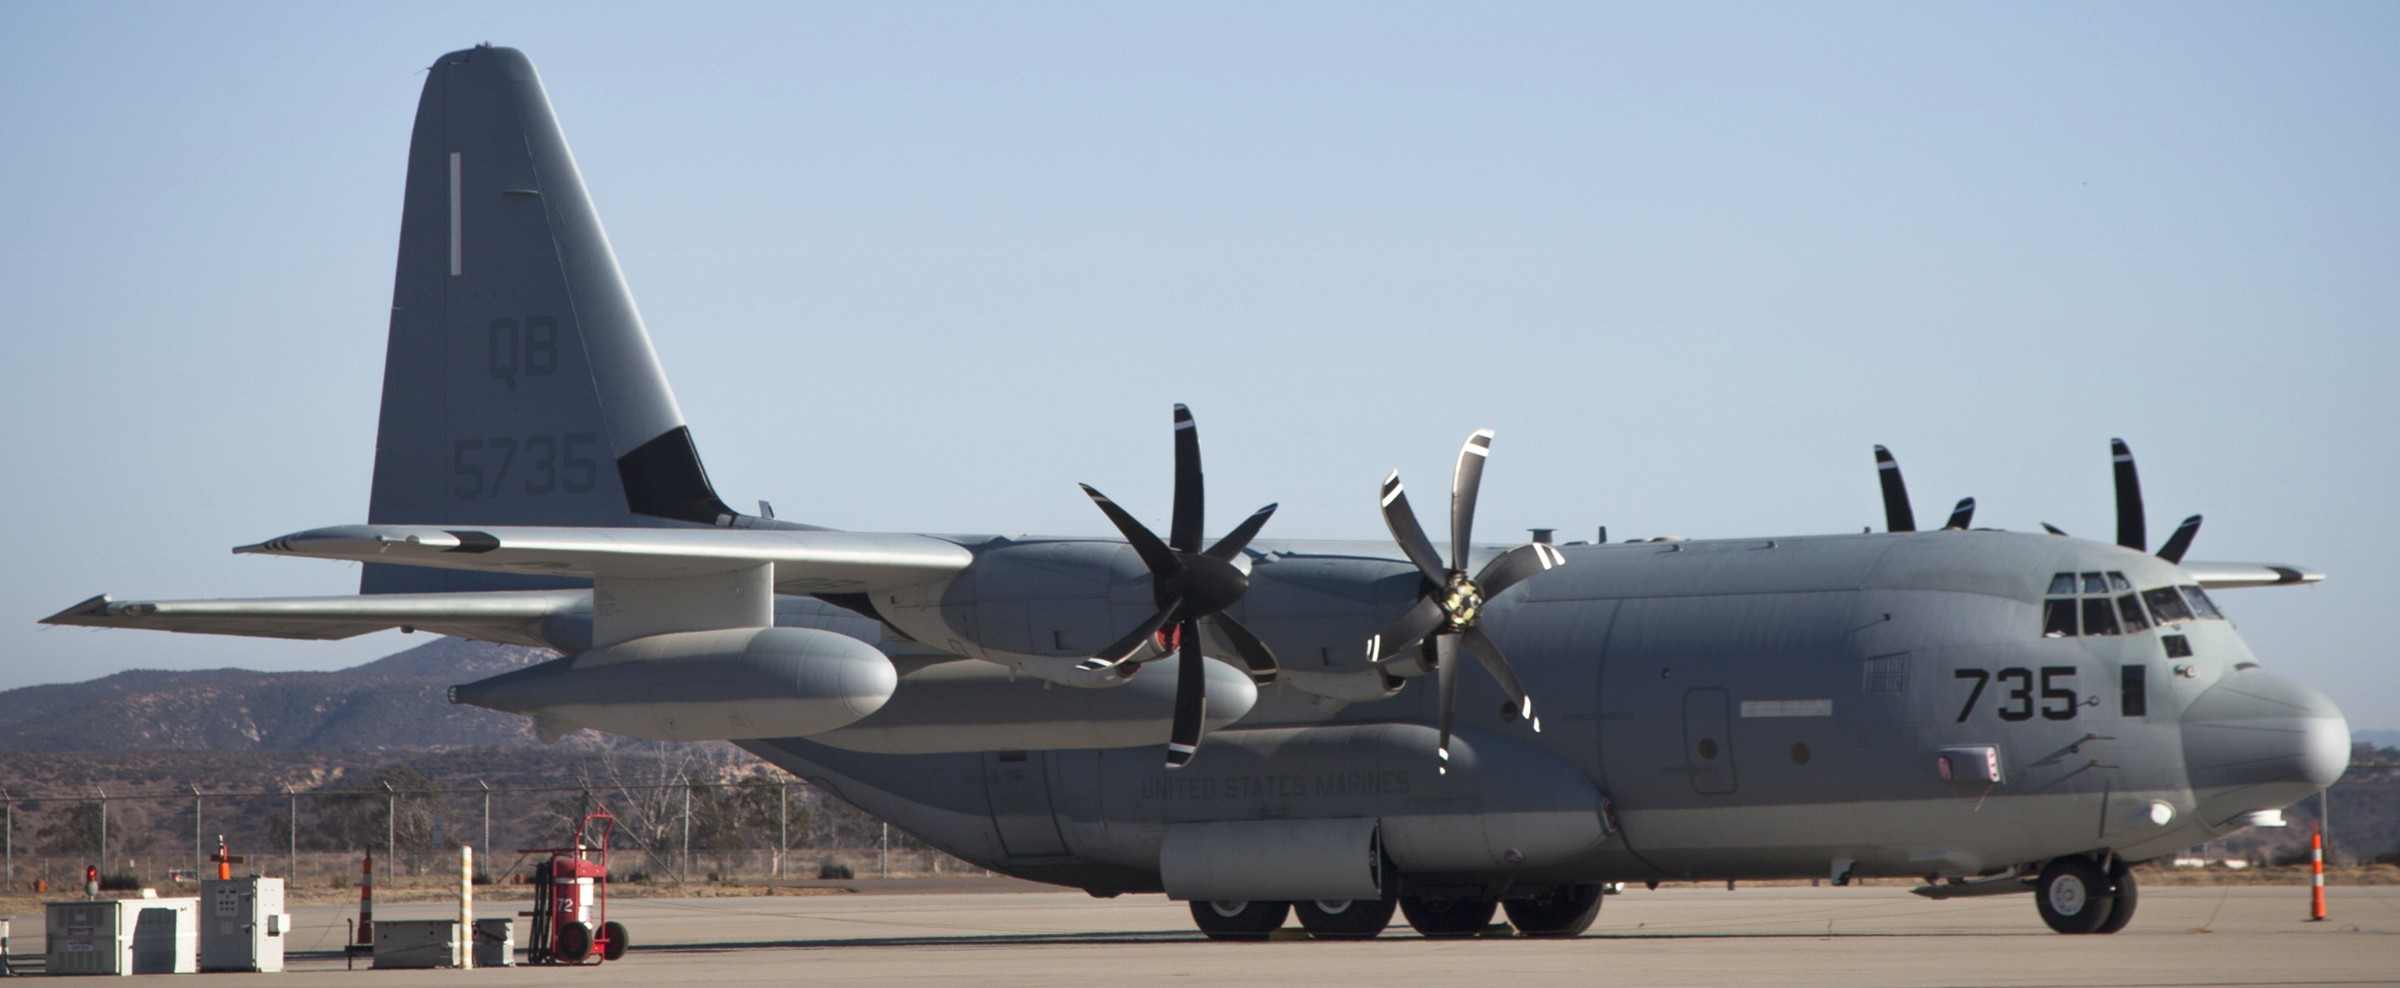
(396, 703)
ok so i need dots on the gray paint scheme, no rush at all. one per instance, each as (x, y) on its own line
(1722, 709)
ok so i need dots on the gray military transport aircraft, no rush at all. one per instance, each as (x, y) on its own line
(1995, 712)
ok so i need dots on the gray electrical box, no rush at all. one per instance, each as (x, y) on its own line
(242, 924)
(406, 943)
(496, 942)
(122, 936)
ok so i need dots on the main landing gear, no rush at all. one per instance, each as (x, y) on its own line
(2077, 895)
(1560, 912)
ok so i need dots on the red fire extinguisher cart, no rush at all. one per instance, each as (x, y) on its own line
(570, 899)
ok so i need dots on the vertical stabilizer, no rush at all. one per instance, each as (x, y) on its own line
(519, 385)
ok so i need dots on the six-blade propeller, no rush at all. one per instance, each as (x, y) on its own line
(1189, 584)
(2132, 526)
(1897, 515)
(1450, 612)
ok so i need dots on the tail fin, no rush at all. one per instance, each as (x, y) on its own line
(519, 386)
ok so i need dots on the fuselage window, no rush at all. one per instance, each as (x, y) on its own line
(2166, 605)
(2061, 584)
(2099, 616)
(2201, 605)
(2133, 692)
(2178, 647)
(2095, 583)
(2129, 607)
(2117, 583)
(2058, 617)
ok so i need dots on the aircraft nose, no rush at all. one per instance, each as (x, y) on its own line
(2266, 739)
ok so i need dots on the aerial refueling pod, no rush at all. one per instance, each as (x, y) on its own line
(699, 685)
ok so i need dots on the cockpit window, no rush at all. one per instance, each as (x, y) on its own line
(2129, 607)
(2166, 605)
(2201, 605)
(2058, 618)
(2094, 583)
(2117, 582)
(2062, 584)
(2099, 616)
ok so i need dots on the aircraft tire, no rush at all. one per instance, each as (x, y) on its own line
(1460, 917)
(1345, 919)
(617, 943)
(1565, 911)
(574, 944)
(1226, 919)
(2073, 895)
(2128, 893)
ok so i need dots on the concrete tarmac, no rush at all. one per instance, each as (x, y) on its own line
(1674, 936)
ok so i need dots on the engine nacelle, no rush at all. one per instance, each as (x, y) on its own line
(730, 684)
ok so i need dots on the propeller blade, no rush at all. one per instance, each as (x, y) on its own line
(2131, 526)
(1463, 485)
(1234, 541)
(1421, 620)
(1961, 516)
(1445, 672)
(1488, 652)
(1123, 648)
(1255, 654)
(1403, 522)
(2053, 529)
(1512, 567)
(2180, 542)
(1897, 515)
(1155, 554)
(1183, 529)
(1191, 699)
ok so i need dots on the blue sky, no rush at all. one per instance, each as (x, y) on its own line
(924, 267)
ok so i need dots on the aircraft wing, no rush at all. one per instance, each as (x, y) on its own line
(2220, 576)
(512, 617)
(806, 562)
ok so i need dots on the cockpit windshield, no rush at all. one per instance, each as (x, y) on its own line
(2102, 603)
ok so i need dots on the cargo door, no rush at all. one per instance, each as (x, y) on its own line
(1018, 784)
(1708, 741)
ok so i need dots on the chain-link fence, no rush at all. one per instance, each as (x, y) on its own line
(681, 830)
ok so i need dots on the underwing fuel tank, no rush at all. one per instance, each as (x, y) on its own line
(699, 685)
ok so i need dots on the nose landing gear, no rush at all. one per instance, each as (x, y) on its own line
(2076, 895)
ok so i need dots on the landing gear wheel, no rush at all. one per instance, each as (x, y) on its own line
(2120, 880)
(615, 944)
(1460, 917)
(1565, 911)
(1234, 919)
(574, 944)
(2073, 895)
(1345, 919)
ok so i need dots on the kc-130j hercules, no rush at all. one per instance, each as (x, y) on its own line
(1992, 711)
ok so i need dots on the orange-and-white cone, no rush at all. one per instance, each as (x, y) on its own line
(2316, 878)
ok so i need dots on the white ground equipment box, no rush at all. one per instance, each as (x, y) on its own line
(407, 943)
(496, 942)
(242, 924)
(123, 936)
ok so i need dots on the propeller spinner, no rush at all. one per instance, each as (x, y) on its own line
(1450, 613)
(1189, 585)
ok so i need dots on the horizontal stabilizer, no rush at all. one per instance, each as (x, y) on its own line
(806, 562)
(507, 617)
(2222, 576)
